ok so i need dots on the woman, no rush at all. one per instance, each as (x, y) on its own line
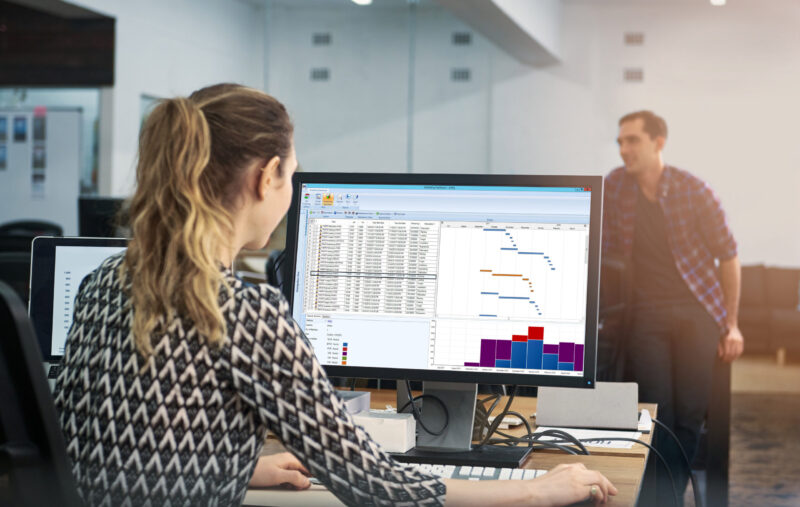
(175, 369)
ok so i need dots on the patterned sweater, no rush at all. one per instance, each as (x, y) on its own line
(186, 425)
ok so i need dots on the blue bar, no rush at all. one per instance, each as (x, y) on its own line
(534, 354)
(491, 293)
(549, 361)
(502, 363)
(512, 297)
(508, 248)
(566, 366)
(518, 352)
(531, 253)
(494, 230)
(486, 315)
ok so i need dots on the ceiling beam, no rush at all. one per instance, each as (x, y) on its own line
(528, 30)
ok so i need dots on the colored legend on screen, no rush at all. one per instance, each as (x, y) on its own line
(344, 353)
(529, 352)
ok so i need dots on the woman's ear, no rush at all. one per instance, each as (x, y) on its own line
(268, 177)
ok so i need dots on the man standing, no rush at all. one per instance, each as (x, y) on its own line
(671, 228)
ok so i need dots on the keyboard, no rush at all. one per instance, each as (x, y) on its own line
(473, 473)
(480, 473)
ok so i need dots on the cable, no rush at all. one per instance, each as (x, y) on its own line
(418, 416)
(534, 440)
(698, 501)
(498, 419)
(562, 434)
(542, 444)
(658, 455)
(566, 438)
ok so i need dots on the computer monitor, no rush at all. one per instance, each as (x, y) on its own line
(448, 278)
(99, 217)
(58, 265)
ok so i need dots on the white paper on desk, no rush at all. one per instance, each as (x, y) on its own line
(582, 434)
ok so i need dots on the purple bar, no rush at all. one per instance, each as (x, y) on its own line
(487, 352)
(503, 349)
(578, 357)
(549, 348)
(566, 352)
(472, 364)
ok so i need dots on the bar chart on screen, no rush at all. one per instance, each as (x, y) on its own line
(504, 344)
(512, 271)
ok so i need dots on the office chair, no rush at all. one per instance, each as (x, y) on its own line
(17, 236)
(31, 228)
(276, 271)
(15, 268)
(32, 450)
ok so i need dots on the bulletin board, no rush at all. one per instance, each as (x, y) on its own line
(40, 156)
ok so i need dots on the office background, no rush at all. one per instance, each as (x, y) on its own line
(725, 78)
(429, 87)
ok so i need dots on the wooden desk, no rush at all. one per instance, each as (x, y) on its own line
(526, 405)
(623, 467)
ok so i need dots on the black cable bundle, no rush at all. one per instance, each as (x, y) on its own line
(415, 410)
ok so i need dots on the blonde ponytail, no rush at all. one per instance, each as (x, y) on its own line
(188, 174)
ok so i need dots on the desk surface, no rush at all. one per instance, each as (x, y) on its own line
(623, 467)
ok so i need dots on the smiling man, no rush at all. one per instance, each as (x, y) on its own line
(671, 228)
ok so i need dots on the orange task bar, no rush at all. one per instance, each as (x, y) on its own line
(503, 274)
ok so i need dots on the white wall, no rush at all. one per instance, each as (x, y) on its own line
(358, 120)
(85, 99)
(54, 197)
(725, 79)
(168, 48)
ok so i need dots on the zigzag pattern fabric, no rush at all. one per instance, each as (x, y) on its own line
(186, 425)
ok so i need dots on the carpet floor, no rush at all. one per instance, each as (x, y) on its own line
(765, 450)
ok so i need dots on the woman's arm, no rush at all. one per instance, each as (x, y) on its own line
(563, 485)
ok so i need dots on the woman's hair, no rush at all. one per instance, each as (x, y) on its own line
(193, 155)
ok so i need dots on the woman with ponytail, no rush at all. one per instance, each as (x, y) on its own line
(174, 368)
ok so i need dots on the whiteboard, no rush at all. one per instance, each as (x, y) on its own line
(40, 169)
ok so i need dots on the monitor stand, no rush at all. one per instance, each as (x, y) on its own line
(454, 446)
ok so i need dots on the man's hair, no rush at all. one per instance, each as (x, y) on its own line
(654, 125)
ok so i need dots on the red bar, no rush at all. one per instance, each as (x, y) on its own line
(519, 338)
(536, 333)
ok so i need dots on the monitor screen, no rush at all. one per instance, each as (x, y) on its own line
(489, 279)
(57, 268)
(99, 217)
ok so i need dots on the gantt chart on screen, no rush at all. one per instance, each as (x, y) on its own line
(452, 278)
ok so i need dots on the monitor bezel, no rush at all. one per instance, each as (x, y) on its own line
(596, 208)
(42, 275)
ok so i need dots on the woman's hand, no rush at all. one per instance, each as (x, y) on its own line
(567, 484)
(281, 469)
(563, 485)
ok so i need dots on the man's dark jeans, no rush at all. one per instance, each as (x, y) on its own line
(670, 353)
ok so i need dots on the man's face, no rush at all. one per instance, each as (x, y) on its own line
(638, 150)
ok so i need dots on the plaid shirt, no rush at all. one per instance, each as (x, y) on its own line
(697, 231)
